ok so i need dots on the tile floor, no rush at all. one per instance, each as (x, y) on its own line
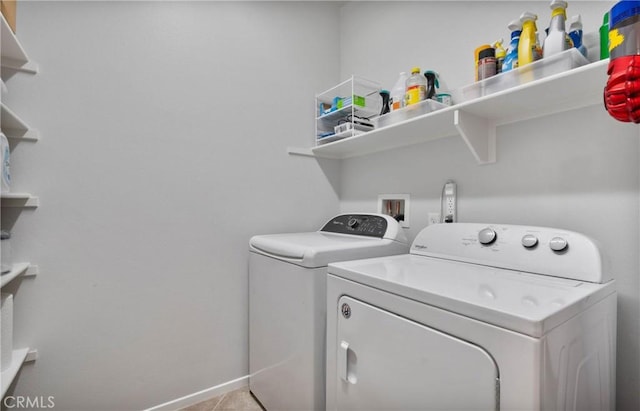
(237, 400)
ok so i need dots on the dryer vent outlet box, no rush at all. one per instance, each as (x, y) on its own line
(396, 206)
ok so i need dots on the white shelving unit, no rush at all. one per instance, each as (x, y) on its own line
(13, 55)
(18, 270)
(17, 359)
(14, 127)
(14, 59)
(476, 120)
(351, 102)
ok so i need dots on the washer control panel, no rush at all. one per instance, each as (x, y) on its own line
(359, 224)
(541, 250)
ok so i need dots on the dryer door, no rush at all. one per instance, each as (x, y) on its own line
(386, 362)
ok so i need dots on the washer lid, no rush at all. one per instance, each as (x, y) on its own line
(527, 303)
(317, 249)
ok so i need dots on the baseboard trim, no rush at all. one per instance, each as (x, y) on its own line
(203, 395)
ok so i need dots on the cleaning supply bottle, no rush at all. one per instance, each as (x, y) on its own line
(416, 87)
(575, 32)
(622, 92)
(556, 40)
(432, 83)
(528, 47)
(511, 59)
(486, 62)
(500, 55)
(398, 92)
(385, 102)
(604, 37)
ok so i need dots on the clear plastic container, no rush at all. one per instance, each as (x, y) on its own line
(407, 113)
(537, 70)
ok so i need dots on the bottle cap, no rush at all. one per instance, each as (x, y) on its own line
(500, 51)
(480, 49)
(515, 25)
(558, 4)
(415, 70)
(528, 16)
(484, 53)
(576, 23)
(623, 10)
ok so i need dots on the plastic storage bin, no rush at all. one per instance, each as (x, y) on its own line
(537, 70)
(408, 112)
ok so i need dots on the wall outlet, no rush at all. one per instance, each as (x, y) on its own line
(434, 218)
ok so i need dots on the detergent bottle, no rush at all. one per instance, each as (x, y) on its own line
(501, 53)
(511, 59)
(557, 40)
(528, 47)
(575, 32)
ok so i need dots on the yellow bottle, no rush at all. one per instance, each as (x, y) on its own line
(528, 47)
(416, 87)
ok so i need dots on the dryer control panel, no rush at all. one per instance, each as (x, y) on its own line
(369, 225)
(540, 250)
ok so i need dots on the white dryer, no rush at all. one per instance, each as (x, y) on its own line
(476, 317)
(287, 303)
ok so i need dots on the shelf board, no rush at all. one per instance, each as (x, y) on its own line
(476, 120)
(19, 200)
(13, 55)
(14, 127)
(17, 359)
(18, 270)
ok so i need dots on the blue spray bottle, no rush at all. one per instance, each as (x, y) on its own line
(575, 32)
(511, 59)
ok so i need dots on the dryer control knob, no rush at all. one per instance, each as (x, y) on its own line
(529, 241)
(353, 223)
(558, 244)
(487, 236)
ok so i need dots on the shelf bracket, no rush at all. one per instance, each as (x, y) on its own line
(479, 134)
(298, 151)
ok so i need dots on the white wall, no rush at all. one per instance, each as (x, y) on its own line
(164, 127)
(576, 170)
(163, 134)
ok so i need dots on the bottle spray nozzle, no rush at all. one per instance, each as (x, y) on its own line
(528, 16)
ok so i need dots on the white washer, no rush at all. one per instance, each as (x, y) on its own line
(476, 317)
(287, 303)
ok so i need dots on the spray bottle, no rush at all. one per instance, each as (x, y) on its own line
(575, 32)
(528, 47)
(557, 41)
(501, 53)
(511, 59)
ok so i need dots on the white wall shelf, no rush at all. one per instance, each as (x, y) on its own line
(14, 127)
(17, 359)
(19, 200)
(476, 120)
(13, 55)
(18, 270)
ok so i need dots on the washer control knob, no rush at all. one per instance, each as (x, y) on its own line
(529, 241)
(558, 244)
(487, 236)
(353, 223)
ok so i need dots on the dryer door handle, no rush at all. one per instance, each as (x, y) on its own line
(347, 363)
(343, 363)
